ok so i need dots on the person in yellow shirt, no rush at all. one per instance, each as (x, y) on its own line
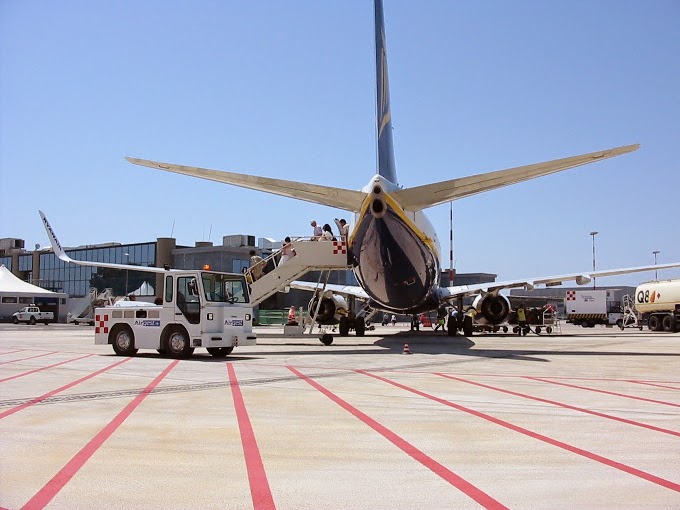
(522, 321)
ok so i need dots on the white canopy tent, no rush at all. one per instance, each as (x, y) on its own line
(16, 294)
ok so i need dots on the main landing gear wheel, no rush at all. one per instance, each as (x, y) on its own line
(452, 326)
(359, 326)
(343, 327)
(326, 339)
(467, 326)
(220, 352)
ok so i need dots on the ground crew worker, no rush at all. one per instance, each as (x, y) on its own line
(522, 321)
(292, 320)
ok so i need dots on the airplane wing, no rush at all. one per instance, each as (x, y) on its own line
(343, 290)
(346, 199)
(583, 278)
(61, 255)
(421, 197)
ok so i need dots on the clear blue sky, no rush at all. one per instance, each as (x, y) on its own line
(286, 89)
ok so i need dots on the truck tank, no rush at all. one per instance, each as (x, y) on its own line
(657, 296)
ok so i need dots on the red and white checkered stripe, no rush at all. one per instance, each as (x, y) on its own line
(101, 325)
(339, 247)
(571, 295)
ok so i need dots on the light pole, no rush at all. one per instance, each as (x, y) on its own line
(655, 253)
(594, 233)
(127, 255)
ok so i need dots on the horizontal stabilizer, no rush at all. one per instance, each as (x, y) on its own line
(421, 197)
(348, 200)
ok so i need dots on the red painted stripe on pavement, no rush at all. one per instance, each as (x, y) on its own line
(10, 352)
(654, 384)
(459, 483)
(257, 476)
(59, 390)
(604, 391)
(44, 368)
(30, 357)
(51, 488)
(561, 404)
(584, 453)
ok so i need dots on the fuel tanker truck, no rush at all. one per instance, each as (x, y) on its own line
(659, 301)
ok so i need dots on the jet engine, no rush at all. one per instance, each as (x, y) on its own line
(332, 308)
(491, 308)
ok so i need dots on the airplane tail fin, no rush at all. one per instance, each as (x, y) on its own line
(421, 197)
(386, 166)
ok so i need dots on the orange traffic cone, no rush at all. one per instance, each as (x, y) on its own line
(406, 350)
(291, 316)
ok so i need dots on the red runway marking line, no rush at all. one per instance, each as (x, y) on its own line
(459, 483)
(654, 384)
(584, 453)
(30, 357)
(601, 391)
(561, 404)
(51, 488)
(257, 476)
(59, 390)
(45, 368)
(10, 352)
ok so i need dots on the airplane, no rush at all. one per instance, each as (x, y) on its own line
(393, 248)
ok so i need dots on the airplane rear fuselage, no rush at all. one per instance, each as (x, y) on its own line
(395, 252)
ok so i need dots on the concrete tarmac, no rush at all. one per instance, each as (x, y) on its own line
(586, 419)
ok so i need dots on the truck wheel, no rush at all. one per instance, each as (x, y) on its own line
(326, 339)
(343, 327)
(15, 320)
(619, 323)
(538, 330)
(123, 340)
(654, 323)
(548, 330)
(220, 352)
(31, 321)
(178, 344)
(669, 323)
(359, 326)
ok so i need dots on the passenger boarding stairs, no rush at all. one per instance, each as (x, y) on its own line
(82, 308)
(309, 256)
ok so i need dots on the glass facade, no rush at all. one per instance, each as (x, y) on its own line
(76, 280)
(7, 262)
(26, 263)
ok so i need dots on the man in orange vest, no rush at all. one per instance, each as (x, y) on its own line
(292, 321)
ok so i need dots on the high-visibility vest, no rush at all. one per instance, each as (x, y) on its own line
(291, 314)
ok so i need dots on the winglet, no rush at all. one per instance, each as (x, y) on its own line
(56, 245)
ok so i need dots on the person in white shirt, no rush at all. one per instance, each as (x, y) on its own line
(287, 251)
(317, 230)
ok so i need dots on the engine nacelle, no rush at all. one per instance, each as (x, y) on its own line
(491, 309)
(333, 306)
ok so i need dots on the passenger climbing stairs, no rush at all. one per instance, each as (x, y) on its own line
(309, 256)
